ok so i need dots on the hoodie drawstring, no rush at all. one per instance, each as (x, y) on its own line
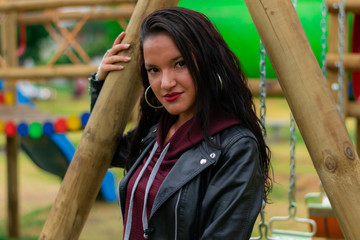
(147, 190)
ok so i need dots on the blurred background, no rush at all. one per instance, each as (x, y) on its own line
(56, 50)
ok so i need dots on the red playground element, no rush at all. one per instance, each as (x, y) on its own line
(356, 49)
(60, 125)
(10, 129)
(2, 97)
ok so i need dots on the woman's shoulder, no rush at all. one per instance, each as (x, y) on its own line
(236, 134)
(236, 131)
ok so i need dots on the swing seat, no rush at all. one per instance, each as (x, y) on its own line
(320, 211)
(290, 236)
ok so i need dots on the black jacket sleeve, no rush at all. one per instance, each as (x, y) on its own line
(234, 195)
(122, 150)
(123, 147)
(94, 89)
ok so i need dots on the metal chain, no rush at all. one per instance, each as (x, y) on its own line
(263, 226)
(323, 39)
(292, 200)
(292, 180)
(262, 89)
(340, 63)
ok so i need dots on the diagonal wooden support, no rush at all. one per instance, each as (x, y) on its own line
(68, 39)
(313, 107)
(100, 138)
(70, 54)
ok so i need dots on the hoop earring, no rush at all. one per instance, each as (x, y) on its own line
(147, 101)
(220, 81)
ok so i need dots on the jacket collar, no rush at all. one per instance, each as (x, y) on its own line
(191, 163)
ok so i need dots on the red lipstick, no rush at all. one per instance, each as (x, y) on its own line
(170, 97)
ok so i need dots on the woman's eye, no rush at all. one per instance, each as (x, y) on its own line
(180, 64)
(152, 70)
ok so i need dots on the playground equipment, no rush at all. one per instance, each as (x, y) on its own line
(267, 231)
(37, 128)
(320, 211)
(330, 150)
(301, 79)
(68, 214)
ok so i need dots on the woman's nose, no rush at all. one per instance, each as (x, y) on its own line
(168, 80)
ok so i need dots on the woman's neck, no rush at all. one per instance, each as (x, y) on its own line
(179, 122)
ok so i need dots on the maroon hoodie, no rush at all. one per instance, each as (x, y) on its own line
(188, 135)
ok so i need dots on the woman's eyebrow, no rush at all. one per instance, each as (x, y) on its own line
(150, 65)
(175, 58)
(170, 61)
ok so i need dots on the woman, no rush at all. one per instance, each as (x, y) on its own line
(197, 164)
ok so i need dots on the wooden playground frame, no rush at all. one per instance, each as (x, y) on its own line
(300, 78)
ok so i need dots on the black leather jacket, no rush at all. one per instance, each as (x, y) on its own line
(209, 193)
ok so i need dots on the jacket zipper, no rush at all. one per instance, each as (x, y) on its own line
(176, 211)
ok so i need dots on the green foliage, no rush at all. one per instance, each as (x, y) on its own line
(95, 37)
(35, 34)
(99, 36)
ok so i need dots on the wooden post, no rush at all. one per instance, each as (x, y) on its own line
(12, 148)
(333, 42)
(9, 48)
(313, 107)
(100, 138)
(333, 49)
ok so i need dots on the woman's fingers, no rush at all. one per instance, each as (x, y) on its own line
(111, 63)
(117, 45)
(117, 48)
(116, 59)
(111, 60)
(119, 38)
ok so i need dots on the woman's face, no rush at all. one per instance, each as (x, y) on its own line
(169, 76)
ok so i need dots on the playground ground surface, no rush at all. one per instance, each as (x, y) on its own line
(38, 189)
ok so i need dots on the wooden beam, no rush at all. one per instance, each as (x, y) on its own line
(8, 49)
(272, 87)
(333, 48)
(351, 61)
(354, 109)
(66, 71)
(33, 5)
(12, 149)
(313, 107)
(333, 42)
(35, 18)
(91, 160)
(350, 6)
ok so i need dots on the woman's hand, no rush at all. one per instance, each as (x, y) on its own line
(110, 60)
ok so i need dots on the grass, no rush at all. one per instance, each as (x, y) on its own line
(38, 189)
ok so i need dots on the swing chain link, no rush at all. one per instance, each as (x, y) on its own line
(292, 200)
(323, 39)
(340, 63)
(262, 89)
(263, 226)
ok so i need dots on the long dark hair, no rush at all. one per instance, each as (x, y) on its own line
(216, 71)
